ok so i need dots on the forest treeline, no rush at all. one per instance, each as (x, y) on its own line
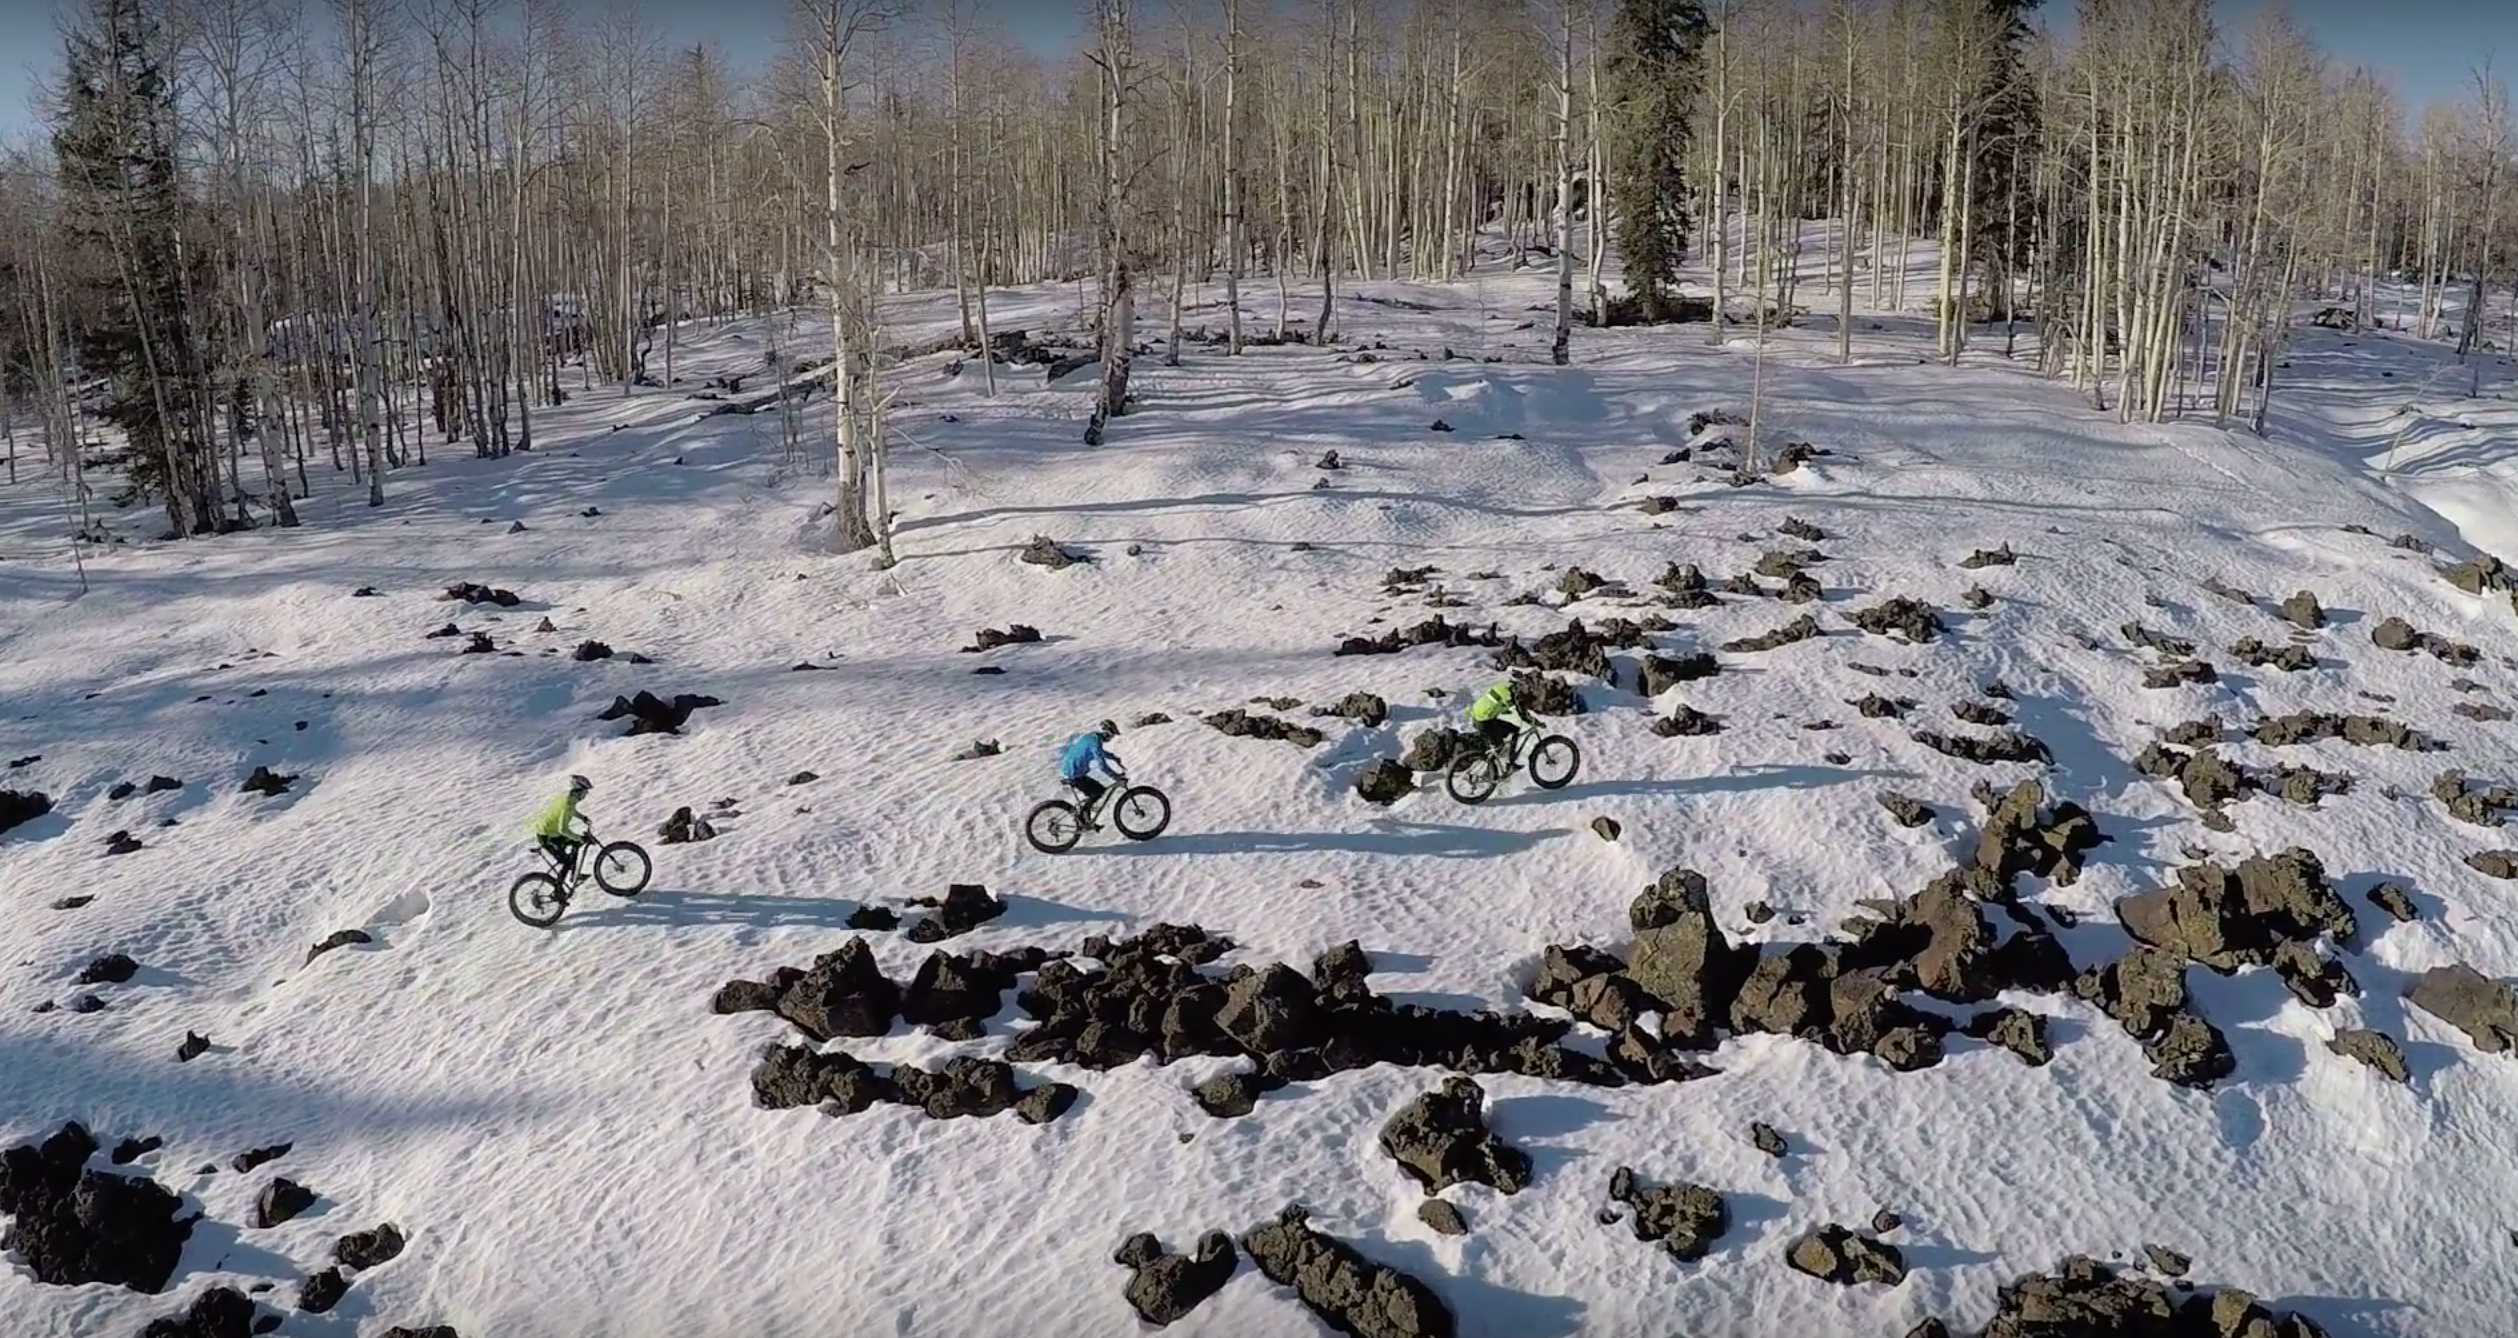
(258, 239)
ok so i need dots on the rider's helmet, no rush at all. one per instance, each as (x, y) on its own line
(579, 787)
(1108, 729)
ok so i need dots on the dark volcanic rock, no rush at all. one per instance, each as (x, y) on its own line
(1832, 1253)
(470, 593)
(966, 906)
(2226, 919)
(1900, 617)
(255, 1157)
(1987, 750)
(2396, 900)
(1663, 672)
(989, 638)
(686, 827)
(845, 994)
(362, 1250)
(792, 1076)
(281, 1200)
(2017, 1030)
(1803, 628)
(1442, 1217)
(1683, 1219)
(2375, 1048)
(1441, 1140)
(18, 807)
(220, 1312)
(323, 1290)
(1435, 749)
(2368, 731)
(1364, 708)
(2485, 1009)
(113, 968)
(650, 714)
(1907, 811)
(1680, 958)
(2189, 1052)
(1385, 782)
(264, 781)
(1163, 1288)
(1685, 721)
(1242, 724)
(338, 939)
(2083, 1298)
(1433, 631)
(1044, 551)
(1353, 1295)
(1766, 1139)
(70, 1225)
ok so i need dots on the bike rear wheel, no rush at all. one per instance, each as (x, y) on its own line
(1141, 813)
(1053, 827)
(1472, 779)
(537, 899)
(622, 868)
(1554, 761)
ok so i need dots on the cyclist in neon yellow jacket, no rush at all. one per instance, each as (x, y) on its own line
(560, 829)
(1498, 717)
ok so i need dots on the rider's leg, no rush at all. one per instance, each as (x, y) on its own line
(1498, 735)
(1092, 789)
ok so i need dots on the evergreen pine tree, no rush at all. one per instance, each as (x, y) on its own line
(1655, 61)
(114, 139)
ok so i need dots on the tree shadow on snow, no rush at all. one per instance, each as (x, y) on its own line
(1428, 840)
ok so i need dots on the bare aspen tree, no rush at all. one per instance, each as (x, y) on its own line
(1232, 179)
(1114, 61)
(834, 28)
(1562, 39)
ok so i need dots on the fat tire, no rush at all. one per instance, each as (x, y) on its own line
(1472, 779)
(1554, 743)
(626, 887)
(1053, 808)
(555, 897)
(1119, 812)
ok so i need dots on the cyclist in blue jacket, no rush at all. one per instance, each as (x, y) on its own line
(1077, 764)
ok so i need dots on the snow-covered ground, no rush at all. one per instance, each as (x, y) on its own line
(566, 1131)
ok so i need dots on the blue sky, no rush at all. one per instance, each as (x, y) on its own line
(2425, 48)
(30, 45)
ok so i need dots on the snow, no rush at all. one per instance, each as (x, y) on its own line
(566, 1131)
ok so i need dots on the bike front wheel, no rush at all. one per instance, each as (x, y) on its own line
(537, 899)
(1554, 762)
(1141, 813)
(622, 868)
(1053, 827)
(1472, 779)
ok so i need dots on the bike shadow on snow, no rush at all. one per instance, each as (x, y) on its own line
(1387, 836)
(1738, 780)
(747, 910)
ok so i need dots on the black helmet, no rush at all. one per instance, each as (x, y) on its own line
(580, 786)
(1108, 729)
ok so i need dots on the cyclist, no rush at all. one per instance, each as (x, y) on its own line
(561, 829)
(1076, 765)
(1498, 718)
